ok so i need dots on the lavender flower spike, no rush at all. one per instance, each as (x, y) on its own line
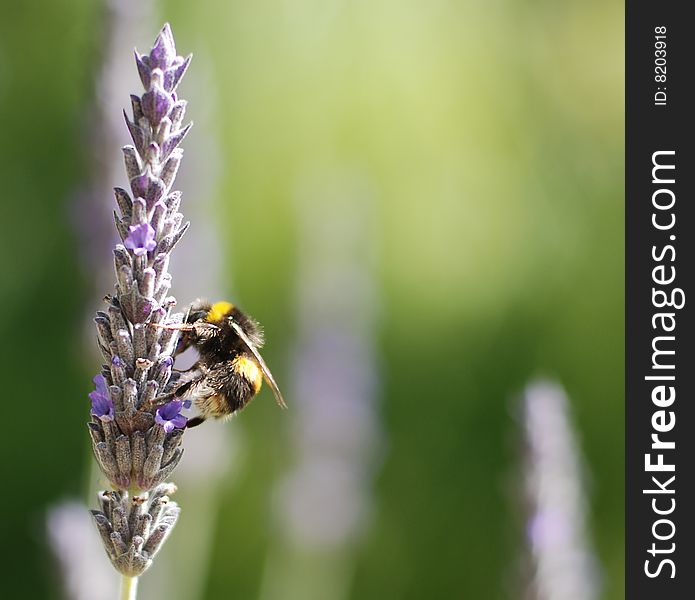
(136, 441)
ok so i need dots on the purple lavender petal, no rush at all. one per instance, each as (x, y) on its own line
(171, 409)
(169, 417)
(167, 425)
(102, 405)
(102, 387)
(179, 421)
(140, 239)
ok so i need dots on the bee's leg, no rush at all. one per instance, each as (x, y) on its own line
(177, 393)
(194, 422)
(158, 401)
(185, 387)
(189, 369)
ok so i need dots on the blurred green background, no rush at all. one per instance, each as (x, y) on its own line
(490, 135)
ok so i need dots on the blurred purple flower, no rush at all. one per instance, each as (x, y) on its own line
(141, 239)
(102, 406)
(563, 562)
(325, 500)
(169, 416)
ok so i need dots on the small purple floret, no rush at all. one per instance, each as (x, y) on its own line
(147, 187)
(102, 406)
(141, 239)
(163, 53)
(169, 416)
(156, 105)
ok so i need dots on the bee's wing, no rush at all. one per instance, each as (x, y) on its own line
(267, 375)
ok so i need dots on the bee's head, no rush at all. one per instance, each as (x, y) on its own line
(202, 310)
(218, 312)
(205, 317)
(195, 316)
(212, 319)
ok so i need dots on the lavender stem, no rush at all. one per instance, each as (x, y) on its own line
(129, 588)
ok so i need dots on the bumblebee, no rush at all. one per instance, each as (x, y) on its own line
(229, 371)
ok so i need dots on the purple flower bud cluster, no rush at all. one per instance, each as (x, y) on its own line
(134, 529)
(136, 435)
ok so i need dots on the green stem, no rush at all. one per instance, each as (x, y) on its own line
(129, 587)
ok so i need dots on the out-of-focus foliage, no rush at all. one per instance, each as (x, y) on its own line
(490, 136)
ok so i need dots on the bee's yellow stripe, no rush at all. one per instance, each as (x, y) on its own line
(249, 370)
(219, 311)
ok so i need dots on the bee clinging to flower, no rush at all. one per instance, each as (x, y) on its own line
(229, 371)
